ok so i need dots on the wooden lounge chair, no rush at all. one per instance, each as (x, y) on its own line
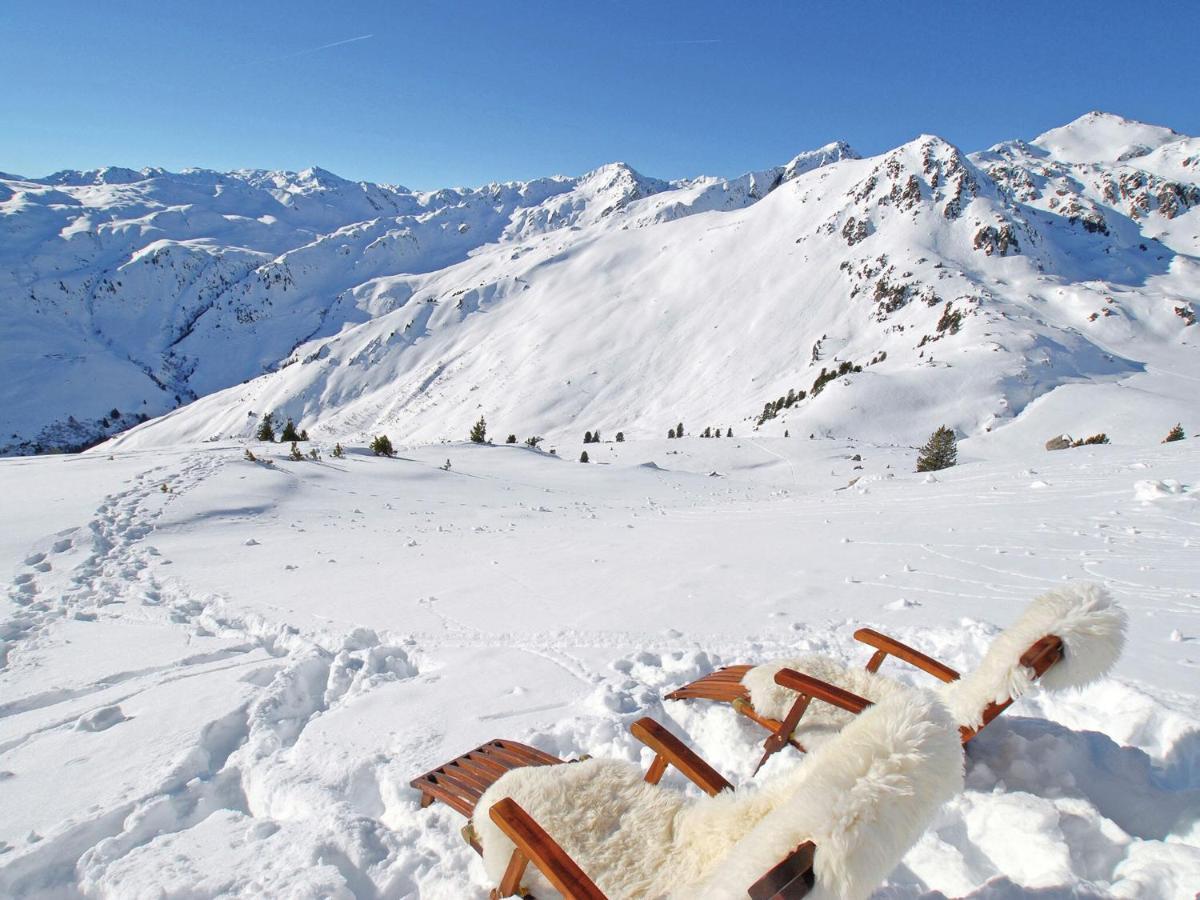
(603, 828)
(1065, 638)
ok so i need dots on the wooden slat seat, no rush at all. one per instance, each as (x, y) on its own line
(461, 782)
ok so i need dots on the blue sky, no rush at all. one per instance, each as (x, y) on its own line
(431, 94)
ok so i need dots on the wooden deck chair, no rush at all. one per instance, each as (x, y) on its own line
(840, 820)
(1066, 638)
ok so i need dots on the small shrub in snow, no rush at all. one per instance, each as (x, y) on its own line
(583, 457)
(289, 432)
(587, 437)
(294, 454)
(620, 437)
(679, 430)
(338, 452)
(382, 446)
(729, 432)
(511, 439)
(248, 456)
(266, 428)
(304, 434)
(670, 433)
(1175, 434)
(939, 452)
(533, 441)
(479, 431)
(1100, 438)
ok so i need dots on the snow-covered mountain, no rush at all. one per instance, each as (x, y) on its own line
(973, 290)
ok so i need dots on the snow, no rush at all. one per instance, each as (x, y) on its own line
(611, 300)
(198, 701)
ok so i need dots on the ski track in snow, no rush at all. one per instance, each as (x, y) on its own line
(306, 730)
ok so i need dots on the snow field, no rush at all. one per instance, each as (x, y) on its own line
(224, 687)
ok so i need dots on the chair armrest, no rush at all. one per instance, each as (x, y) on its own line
(534, 845)
(886, 646)
(821, 690)
(669, 750)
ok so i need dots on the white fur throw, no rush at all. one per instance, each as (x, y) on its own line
(1084, 615)
(821, 720)
(1092, 628)
(863, 798)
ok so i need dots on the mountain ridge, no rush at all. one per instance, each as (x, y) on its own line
(188, 294)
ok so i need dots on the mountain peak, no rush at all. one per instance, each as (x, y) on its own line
(1099, 136)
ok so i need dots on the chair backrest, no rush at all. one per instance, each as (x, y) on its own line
(859, 801)
(1090, 629)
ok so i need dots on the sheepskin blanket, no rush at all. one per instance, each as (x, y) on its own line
(863, 798)
(1084, 615)
(1092, 628)
(821, 720)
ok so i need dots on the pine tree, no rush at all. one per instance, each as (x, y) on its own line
(382, 446)
(587, 437)
(679, 430)
(314, 454)
(939, 452)
(304, 434)
(294, 453)
(338, 452)
(512, 439)
(707, 432)
(786, 433)
(729, 433)
(583, 457)
(595, 437)
(479, 431)
(1175, 434)
(532, 441)
(266, 428)
(671, 433)
(289, 432)
(620, 437)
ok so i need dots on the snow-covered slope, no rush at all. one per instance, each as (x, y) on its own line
(943, 288)
(223, 688)
(969, 289)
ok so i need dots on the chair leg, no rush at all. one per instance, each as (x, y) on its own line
(510, 884)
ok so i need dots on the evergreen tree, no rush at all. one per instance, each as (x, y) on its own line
(671, 433)
(583, 457)
(1175, 434)
(304, 434)
(620, 437)
(512, 439)
(314, 454)
(382, 446)
(595, 437)
(679, 430)
(939, 452)
(532, 441)
(587, 437)
(707, 432)
(266, 428)
(289, 432)
(479, 431)
(786, 433)
(729, 433)
(338, 452)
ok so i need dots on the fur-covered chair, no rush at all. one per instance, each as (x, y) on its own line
(1066, 638)
(850, 810)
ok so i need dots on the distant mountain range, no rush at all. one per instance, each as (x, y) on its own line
(930, 286)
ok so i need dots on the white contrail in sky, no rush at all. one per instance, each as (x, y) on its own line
(361, 37)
